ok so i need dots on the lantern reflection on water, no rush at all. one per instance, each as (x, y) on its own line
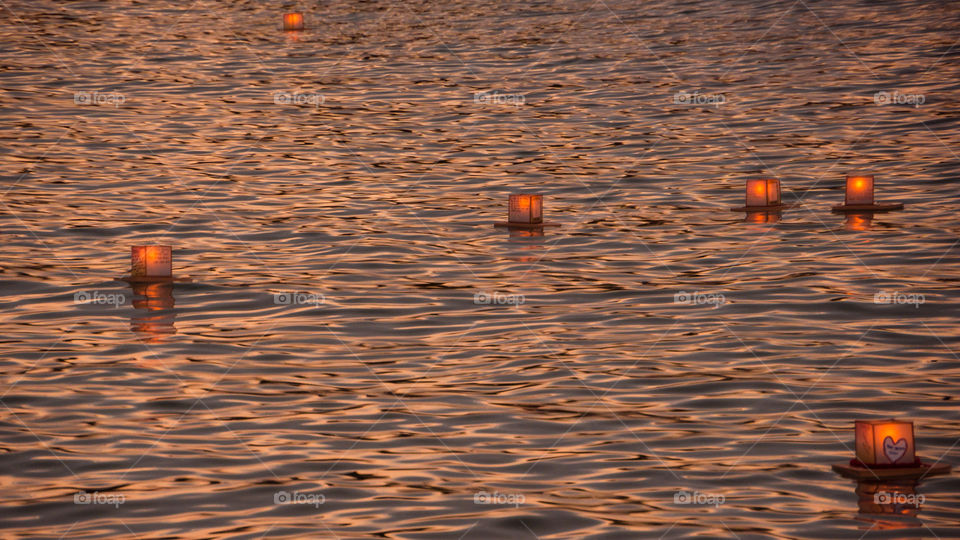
(890, 499)
(762, 217)
(157, 300)
(859, 221)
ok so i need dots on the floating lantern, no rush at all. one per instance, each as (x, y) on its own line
(525, 210)
(859, 196)
(762, 194)
(151, 264)
(293, 21)
(885, 442)
(885, 449)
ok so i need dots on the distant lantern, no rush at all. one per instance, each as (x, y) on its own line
(885, 449)
(762, 194)
(151, 262)
(859, 196)
(525, 210)
(293, 21)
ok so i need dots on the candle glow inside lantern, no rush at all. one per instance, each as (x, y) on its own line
(151, 262)
(293, 21)
(525, 210)
(859, 189)
(885, 449)
(763, 192)
(885, 442)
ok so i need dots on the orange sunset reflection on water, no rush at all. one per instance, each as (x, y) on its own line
(361, 353)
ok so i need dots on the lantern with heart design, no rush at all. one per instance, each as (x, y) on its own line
(885, 442)
(525, 210)
(859, 196)
(885, 449)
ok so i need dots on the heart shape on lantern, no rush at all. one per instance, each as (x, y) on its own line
(894, 450)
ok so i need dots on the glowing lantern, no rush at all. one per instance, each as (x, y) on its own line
(885, 442)
(526, 209)
(859, 190)
(763, 192)
(293, 21)
(859, 196)
(885, 450)
(151, 262)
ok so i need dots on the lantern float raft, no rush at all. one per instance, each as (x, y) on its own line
(885, 450)
(525, 212)
(859, 196)
(292, 22)
(151, 264)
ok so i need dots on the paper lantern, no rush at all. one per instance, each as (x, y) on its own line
(763, 192)
(859, 189)
(526, 209)
(151, 262)
(293, 21)
(885, 442)
(859, 196)
(885, 450)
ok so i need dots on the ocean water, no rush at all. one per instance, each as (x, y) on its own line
(359, 353)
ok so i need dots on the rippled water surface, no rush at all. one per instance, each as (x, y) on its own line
(356, 164)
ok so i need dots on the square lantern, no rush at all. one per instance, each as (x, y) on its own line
(293, 21)
(859, 190)
(525, 209)
(151, 262)
(763, 192)
(885, 442)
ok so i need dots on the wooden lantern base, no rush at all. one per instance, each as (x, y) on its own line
(525, 225)
(863, 473)
(770, 208)
(147, 279)
(886, 207)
